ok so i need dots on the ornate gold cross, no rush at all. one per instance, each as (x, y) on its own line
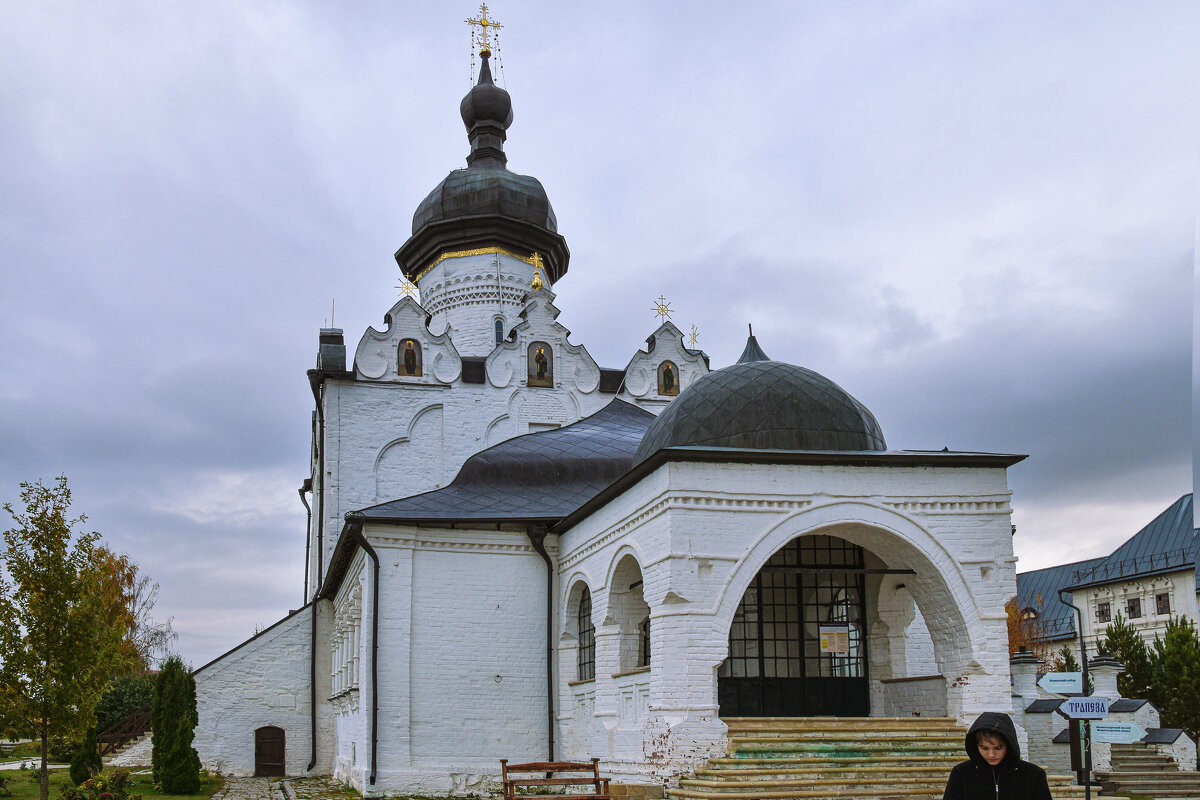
(406, 287)
(662, 308)
(482, 36)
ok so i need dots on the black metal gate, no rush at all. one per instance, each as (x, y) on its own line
(797, 645)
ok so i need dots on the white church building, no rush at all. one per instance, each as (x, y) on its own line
(517, 553)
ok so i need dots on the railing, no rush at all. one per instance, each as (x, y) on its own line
(125, 731)
(1131, 566)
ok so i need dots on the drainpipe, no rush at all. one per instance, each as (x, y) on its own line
(314, 381)
(537, 538)
(1087, 737)
(354, 530)
(304, 488)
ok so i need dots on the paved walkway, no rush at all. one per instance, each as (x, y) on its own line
(251, 789)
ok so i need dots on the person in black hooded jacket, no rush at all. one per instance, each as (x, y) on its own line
(994, 769)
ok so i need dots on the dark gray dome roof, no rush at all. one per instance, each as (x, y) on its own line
(476, 191)
(764, 405)
(485, 205)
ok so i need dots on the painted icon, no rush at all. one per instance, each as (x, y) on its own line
(668, 379)
(541, 365)
(410, 359)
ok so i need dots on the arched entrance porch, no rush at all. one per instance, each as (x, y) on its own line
(836, 610)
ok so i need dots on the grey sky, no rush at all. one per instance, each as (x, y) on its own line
(979, 219)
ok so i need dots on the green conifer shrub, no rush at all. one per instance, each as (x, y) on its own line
(1123, 642)
(86, 761)
(173, 719)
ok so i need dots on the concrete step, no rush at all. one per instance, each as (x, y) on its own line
(738, 765)
(872, 758)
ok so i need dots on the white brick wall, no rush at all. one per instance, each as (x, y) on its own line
(265, 681)
(700, 533)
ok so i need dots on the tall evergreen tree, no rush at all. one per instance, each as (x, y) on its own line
(1123, 642)
(173, 722)
(1177, 675)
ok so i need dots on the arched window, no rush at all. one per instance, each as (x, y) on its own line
(587, 638)
(499, 329)
(644, 650)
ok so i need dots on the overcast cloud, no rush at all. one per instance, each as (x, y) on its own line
(978, 218)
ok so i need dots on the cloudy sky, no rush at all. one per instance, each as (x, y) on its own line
(978, 218)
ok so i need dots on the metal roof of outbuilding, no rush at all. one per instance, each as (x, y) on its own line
(1038, 590)
(1167, 544)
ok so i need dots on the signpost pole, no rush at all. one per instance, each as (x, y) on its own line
(1087, 739)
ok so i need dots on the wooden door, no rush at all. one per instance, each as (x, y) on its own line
(268, 752)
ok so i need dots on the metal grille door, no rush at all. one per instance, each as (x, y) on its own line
(797, 643)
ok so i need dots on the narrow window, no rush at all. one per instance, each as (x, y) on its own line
(1103, 612)
(644, 650)
(1162, 603)
(1133, 607)
(499, 330)
(587, 638)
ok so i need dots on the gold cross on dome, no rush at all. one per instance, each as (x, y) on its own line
(482, 36)
(406, 287)
(662, 308)
(537, 282)
(694, 335)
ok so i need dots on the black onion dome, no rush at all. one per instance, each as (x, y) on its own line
(485, 205)
(764, 405)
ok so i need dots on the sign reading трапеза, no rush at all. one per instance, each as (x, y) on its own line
(1085, 707)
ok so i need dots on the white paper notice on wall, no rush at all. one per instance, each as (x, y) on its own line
(835, 639)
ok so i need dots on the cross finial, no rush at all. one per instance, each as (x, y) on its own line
(486, 27)
(662, 308)
(537, 282)
(406, 287)
(693, 337)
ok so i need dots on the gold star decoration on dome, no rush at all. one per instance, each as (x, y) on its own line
(693, 336)
(662, 308)
(407, 287)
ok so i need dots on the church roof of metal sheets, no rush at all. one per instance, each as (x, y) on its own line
(538, 477)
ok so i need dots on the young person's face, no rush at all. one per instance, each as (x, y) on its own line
(992, 749)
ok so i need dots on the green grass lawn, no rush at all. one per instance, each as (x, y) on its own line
(23, 785)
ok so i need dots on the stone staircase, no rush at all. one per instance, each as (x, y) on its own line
(869, 758)
(1139, 769)
(133, 754)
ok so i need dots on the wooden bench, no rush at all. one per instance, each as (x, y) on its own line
(511, 772)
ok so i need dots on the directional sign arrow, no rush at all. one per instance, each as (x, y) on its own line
(1084, 707)
(1062, 682)
(1117, 732)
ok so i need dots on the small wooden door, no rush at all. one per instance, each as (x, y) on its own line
(268, 752)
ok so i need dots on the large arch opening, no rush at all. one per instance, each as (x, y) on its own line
(845, 610)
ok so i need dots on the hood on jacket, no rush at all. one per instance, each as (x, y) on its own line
(1001, 725)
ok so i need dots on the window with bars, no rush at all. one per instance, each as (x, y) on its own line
(1162, 603)
(1103, 612)
(587, 638)
(644, 648)
(1133, 607)
(776, 629)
